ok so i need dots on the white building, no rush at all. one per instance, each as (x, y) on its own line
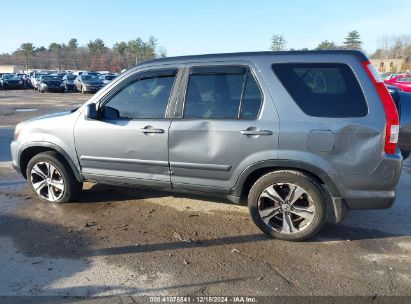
(7, 68)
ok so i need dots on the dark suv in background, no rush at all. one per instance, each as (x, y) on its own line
(294, 134)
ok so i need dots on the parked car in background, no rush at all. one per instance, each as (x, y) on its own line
(35, 79)
(107, 78)
(86, 83)
(403, 102)
(26, 80)
(404, 141)
(401, 81)
(11, 81)
(60, 75)
(91, 73)
(68, 82)
(50, 83)
(392, 88)
(288, 132)
(388, 76)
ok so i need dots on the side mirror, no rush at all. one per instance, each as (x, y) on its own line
(110, 113)
(91, 111)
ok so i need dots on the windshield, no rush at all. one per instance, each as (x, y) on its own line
(109, 77)
(71, 77)
(49, 78)
(91, 78)
(10, 76)
(39, 75)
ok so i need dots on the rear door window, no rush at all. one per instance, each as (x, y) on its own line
(323, 89)
(222, 92)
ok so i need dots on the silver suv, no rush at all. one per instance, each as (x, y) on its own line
(299, 135)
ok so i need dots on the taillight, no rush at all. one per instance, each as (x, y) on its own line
(392, 127)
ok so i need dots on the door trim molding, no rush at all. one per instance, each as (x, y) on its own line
(125, 161)
(211, 167)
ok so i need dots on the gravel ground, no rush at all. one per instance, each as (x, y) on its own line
(121, 241)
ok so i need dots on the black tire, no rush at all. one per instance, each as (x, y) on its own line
(83, 90)
(308, 184)
(72, 187)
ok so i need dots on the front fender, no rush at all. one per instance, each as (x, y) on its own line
(49, 145)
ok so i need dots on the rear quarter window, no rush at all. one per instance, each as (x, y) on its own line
(323, 89)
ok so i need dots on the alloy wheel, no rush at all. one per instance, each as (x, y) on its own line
(47, 181)
(286, 208)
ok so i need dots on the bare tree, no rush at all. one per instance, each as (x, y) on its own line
(278, 43)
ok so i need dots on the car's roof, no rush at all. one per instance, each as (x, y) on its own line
(227, 56)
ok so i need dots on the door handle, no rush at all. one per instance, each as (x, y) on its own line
(151, 130)
(256, 132)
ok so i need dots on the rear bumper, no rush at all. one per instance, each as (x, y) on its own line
(341, 206)
(371, 202)
(372, 191)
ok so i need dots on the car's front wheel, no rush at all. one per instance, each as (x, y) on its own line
(51, 179)
(287, 205)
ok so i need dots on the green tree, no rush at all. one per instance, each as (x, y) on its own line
(40, 49)
(72, 52)
(278, 43)
(141, 50)
(121, 48)
(97, 46)
(59, 51)
(353, 41)
(327, 45)
(72, 44)
(27, 50)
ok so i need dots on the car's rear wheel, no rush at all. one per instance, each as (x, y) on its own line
(287, 205)
(51, 179)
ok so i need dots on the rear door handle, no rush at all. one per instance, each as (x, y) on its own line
(256, 132)
(151, 130)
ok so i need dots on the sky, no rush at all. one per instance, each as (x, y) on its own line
(186, 27)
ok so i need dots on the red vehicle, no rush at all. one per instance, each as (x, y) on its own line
(401, 81)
